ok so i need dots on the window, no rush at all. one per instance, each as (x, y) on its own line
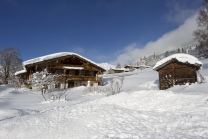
(91, 73)
(57, 85)
(67, 72)
(71, 72)
(83, 73)
(77, 72)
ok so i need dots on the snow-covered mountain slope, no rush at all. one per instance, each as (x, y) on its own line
(106, 66)
(205, 64)
(141, 110)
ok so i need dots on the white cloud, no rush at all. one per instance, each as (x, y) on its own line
(179, 37)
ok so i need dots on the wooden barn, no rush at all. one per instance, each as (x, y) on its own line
(75, 70)
(177, 69)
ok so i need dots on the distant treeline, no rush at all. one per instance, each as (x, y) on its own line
(152, 59)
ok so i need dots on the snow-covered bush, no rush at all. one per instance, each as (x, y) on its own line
(113, 87)
(201, 78)
(42, 79)
(98, 89)
(17, 82)
(116, 85)
(46, 82)
(56, 94)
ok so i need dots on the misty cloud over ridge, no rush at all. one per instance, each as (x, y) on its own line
(182, 36)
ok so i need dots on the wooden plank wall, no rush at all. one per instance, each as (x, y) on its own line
(176, 74)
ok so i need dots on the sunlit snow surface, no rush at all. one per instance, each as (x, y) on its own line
(141, 110)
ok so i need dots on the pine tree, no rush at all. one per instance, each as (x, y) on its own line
(201, 34)
(118, 66)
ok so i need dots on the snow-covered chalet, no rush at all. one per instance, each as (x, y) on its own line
(74, 69)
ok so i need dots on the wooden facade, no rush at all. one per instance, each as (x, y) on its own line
(131, 67)
(174, 72)
(119, 70)
(74, 70)
(127, 66)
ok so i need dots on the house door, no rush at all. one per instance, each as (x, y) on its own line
(70, 84)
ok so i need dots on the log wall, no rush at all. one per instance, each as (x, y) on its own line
(176, 74)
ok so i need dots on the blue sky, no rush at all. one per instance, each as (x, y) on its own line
(101, 30)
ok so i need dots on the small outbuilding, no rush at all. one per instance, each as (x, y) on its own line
(177, 69)
(120, 70)
(131, 67)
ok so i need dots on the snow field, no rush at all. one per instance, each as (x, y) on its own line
(140, 111)
(142, 114)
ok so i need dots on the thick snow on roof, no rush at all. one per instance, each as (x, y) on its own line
(123, 69)
(55, 55)
(183, 58)
(20, 72)
(77, 68)
(52, 56)
(47, 57)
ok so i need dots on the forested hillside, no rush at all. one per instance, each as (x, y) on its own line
(151, 60)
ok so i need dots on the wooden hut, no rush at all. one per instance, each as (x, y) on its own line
(75, 70)
(177, 69)
(127, 66)
(120, 70)
(131, 67)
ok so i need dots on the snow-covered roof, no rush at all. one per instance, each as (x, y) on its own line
(77, 68)
(55, 55)
(121, 69)
(180, 57)
(20, 72)
(52, 56)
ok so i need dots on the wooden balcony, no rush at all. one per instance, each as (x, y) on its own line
(81, 78)
(65, 77)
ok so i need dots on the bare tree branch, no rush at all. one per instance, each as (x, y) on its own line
(10, 62)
